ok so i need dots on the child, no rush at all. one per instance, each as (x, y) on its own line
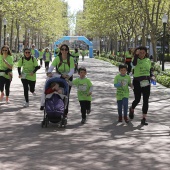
(54, 87)
(121, 82)
(84, 91)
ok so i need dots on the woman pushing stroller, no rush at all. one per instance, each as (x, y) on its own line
(64, 65)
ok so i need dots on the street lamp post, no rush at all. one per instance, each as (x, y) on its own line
(4, 23)
(161, 52)
(164, 21)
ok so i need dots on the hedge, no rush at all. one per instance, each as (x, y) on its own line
(162, 77)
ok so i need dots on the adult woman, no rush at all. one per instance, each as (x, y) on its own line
(64, 65)
(28, 74)
(6, 64)
(141, 81)
(47, 57)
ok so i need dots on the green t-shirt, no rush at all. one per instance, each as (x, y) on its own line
(64, 68)
(4, 67)
(41, 54)
(76, 56)
(57, 51)
(83, 53)
(142, 68)
(28, 66)
(123, 91)
(47, 57)
(83, 87)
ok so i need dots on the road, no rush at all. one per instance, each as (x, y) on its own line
(100, 144)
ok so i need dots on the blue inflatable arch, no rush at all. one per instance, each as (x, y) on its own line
(73, 38)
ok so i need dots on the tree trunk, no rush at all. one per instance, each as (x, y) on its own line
(0, 30)
(154, 50)
(12, 30)
(154, 43)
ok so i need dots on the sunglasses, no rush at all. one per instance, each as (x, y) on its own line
(27, 52)
(64, 49)
(4, 50)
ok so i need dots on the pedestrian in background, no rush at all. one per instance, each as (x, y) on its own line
(6, 65)
(41, 52)
(76, 59)
(83, 53)
(34, 52)
(128, 60)
(29, 66)
(47, 57)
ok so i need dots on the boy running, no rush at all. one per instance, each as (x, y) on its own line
(121, 82)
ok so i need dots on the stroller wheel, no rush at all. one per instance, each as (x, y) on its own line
(42, 124)
(46, 122)
(61, 123)
(65, 122)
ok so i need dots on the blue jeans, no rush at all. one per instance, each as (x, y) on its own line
(124, 103)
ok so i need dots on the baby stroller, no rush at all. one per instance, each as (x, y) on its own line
(55, 104)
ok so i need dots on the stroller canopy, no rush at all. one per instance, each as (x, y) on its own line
(60, 81)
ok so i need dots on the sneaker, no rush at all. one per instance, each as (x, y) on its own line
(83, 121)
(126, 119)
(34, 94)
(88, 112)
(143, 122)
(26, 104)
(42, 108)
(120, 119)
(2, 96)
(131, 113)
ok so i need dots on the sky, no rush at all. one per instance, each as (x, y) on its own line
(75, 5)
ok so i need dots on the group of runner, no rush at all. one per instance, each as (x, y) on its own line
(64, 64)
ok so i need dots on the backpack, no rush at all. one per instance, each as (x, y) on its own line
(61, 61)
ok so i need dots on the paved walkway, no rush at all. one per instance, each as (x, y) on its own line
(100, 144)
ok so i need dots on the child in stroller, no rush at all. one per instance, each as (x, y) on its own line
(56, 100)
(54, 87)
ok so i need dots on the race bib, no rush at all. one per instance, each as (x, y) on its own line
(124, 82)
(82, 87)
(144, 83)
(2, 73)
